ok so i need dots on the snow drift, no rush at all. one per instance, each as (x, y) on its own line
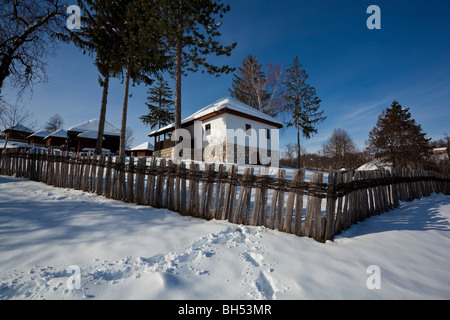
(125, 251)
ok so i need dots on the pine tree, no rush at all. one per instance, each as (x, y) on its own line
(261, 90)
(191, 32)
(160, 105)
(302, 104)
(248, 84)
(102, 43)
(142, 50)
(398, 139)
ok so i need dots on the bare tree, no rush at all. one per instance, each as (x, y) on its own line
(341, 149)
(12, 116)
(262, 90)
(27, 28)
(129, 137)
(54, 124)
(290, 154)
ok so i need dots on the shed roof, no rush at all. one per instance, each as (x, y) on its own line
(61, 133)
(19, 127)
(144, 146)
(92, 125)
(41, 134)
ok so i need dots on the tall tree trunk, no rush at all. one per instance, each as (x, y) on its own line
(298, 143)
(179, 56)
(101, 124)
(123, 128)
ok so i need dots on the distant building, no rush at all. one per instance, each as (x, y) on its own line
(376, 164)
(56, 140)
(440, 150)
(84, 136)
(143, 150)
(18, 133)
(37, 139)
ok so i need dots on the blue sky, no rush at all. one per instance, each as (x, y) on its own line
(357, 72)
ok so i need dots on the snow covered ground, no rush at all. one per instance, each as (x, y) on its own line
(125, 251)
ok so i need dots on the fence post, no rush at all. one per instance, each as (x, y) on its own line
(331, 206)
(139, 188)
(176, 205)
(210, 184)
(290, 202)
(183, 188)
(219, 192)
(311, 204)
(257, 202)
(272, 210)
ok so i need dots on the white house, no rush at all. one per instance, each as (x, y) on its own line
(225, 131)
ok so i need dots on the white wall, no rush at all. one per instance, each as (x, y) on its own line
(219, 145)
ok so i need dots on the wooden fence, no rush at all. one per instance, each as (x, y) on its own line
(316, 208)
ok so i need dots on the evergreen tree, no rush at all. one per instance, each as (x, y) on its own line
(101, 43)
(398, 139)
(160, 105)
(191, 33)
(248, 84)
(142, 50)
(302, 103)
(261, 90)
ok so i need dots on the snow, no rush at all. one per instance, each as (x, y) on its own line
(89, 135)
(61, 133)
(41, 134)
(20, 127)
(376, 164)
(125, 251)
(144, 146)
(92, 125)
(220, 104)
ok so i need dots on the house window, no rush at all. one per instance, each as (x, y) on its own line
(248, 130)
(208, 129)
(268, 134)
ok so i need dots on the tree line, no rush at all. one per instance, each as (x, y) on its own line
(396, 139)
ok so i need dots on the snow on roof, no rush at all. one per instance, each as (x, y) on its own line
(61, 133)
(376, 164)
(89, 135)
(93, 150)
(41, 134)
(223, 103)
(14, 145)
(92, 125)
(20, 127)
(144, 146)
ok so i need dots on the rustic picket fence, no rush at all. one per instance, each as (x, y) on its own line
(313, 208)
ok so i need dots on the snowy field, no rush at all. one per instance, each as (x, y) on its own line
(125, 251)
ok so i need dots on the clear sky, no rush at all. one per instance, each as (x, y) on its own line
(357, 72)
